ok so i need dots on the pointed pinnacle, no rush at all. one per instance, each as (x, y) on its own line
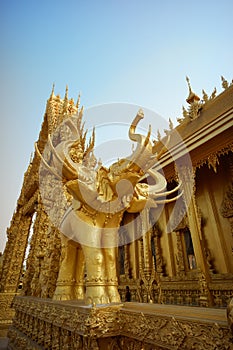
(66, 94)
(52, 92)
(158, 135)
(170, 124)
(81, 111)
(78, 101)
(188, 81)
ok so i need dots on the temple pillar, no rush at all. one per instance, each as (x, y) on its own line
(133, 260)
(12, 266)
(187, 176)
(15, 252)
(146, 262)
(226, 209)
(147, 253)
(35, 261)
(140, 255)
(180, 261)
(159, 263)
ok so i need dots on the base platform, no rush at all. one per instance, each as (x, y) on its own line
(49, 324)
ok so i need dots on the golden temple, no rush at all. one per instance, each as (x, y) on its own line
(170, 286)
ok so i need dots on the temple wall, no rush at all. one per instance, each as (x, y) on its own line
(211, 189)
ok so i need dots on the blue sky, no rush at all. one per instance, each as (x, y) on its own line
(128, 51)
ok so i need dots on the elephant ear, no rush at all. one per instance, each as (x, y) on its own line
(130, 179)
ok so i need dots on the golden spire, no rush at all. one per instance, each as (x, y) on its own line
(188, 81)
(225, 83)
(66, 94)
(81, 111)
(158, 135)
(192, 97)
(171, 127)
(78, 101)
(52, 92)
(205, 96)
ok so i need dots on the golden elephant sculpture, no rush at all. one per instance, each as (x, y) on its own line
(101, 196)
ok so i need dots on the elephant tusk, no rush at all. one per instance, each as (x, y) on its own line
(167, 193)
(164, 201)
(153, 159)
(160, 182)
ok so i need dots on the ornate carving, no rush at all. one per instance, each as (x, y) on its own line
(194, 108)
(230, 315)
(226, 208)
(171, 332)
(225, 83)
(58, 325)
(61, 326)
(180, 255)
(7, 312)
(158, 250)
(213, 159)
(227, 203)
(14, 254)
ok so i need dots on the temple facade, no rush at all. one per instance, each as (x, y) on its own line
(174, 282)
(191, 265)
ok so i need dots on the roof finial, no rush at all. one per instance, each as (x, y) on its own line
(81, 112)
(158, 135)
(171, 127)
(78, 101)
(225, 83)
(188, 81)
(192, 97)
(52, 92)
(66, 94)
